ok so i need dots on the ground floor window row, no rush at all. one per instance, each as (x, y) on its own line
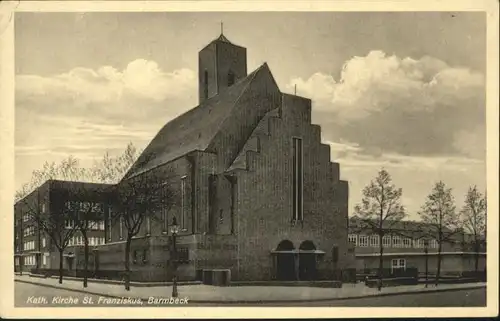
(31, 260)
(389, 241)
(142, 256)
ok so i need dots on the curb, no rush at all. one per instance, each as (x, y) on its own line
(269, 301)
(115, 282)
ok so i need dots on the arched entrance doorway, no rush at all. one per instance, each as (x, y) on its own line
(307, 261)
(285, 261)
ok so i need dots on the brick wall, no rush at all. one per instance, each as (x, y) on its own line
(230, 58)
(206, 61)
(264, 204)
(172, 173)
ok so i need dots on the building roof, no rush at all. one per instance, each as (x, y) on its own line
(63, 184)
(193, 130)
(408, 227)
(359, 223)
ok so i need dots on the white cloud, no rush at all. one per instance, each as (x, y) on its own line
(86, 112)
(373, 82)
(141, 79)
(397, 104)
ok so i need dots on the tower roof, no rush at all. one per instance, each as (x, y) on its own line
(222, 38)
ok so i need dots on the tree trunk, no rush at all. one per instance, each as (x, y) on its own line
(438, 264)
(61, 266)
(380, 265)
(476, 257)
(127, 262)
(86, 263)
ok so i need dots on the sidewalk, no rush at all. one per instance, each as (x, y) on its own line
(241, 294)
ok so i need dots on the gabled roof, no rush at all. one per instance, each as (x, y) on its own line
(193, 130)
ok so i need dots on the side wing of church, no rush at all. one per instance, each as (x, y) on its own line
(256, 191)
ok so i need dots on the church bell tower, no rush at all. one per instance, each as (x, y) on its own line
(220, 65)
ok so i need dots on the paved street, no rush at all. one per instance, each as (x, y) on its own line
(204, 293)
(459, 298)
(456, 298)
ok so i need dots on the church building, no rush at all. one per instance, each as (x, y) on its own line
(258, 193)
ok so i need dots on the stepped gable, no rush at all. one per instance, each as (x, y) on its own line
(193, 130)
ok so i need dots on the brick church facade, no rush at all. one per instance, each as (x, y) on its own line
(257, 191)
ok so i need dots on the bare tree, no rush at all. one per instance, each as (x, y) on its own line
(139, 199)
(52, 224)
(380, 210)
(85, 207)
(106, 170)
(112, 169)
(439, 213)
(473, 219)
(66, 169)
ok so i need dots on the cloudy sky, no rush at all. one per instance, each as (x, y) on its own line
(403, 91)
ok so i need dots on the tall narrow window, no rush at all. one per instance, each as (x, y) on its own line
(183, 202)
(374, 240)
(164, 212)
(109, 224)
(353, 239)
(386, 241)
(205, 84)
(234, 194)
(363, 241)
(396, 241)
(121, 228)
(230, 79)
(297, 180)
(335, 254)
(148, 226)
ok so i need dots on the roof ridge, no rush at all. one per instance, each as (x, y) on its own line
(249, 78)
(252, 75)
(232, 95)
